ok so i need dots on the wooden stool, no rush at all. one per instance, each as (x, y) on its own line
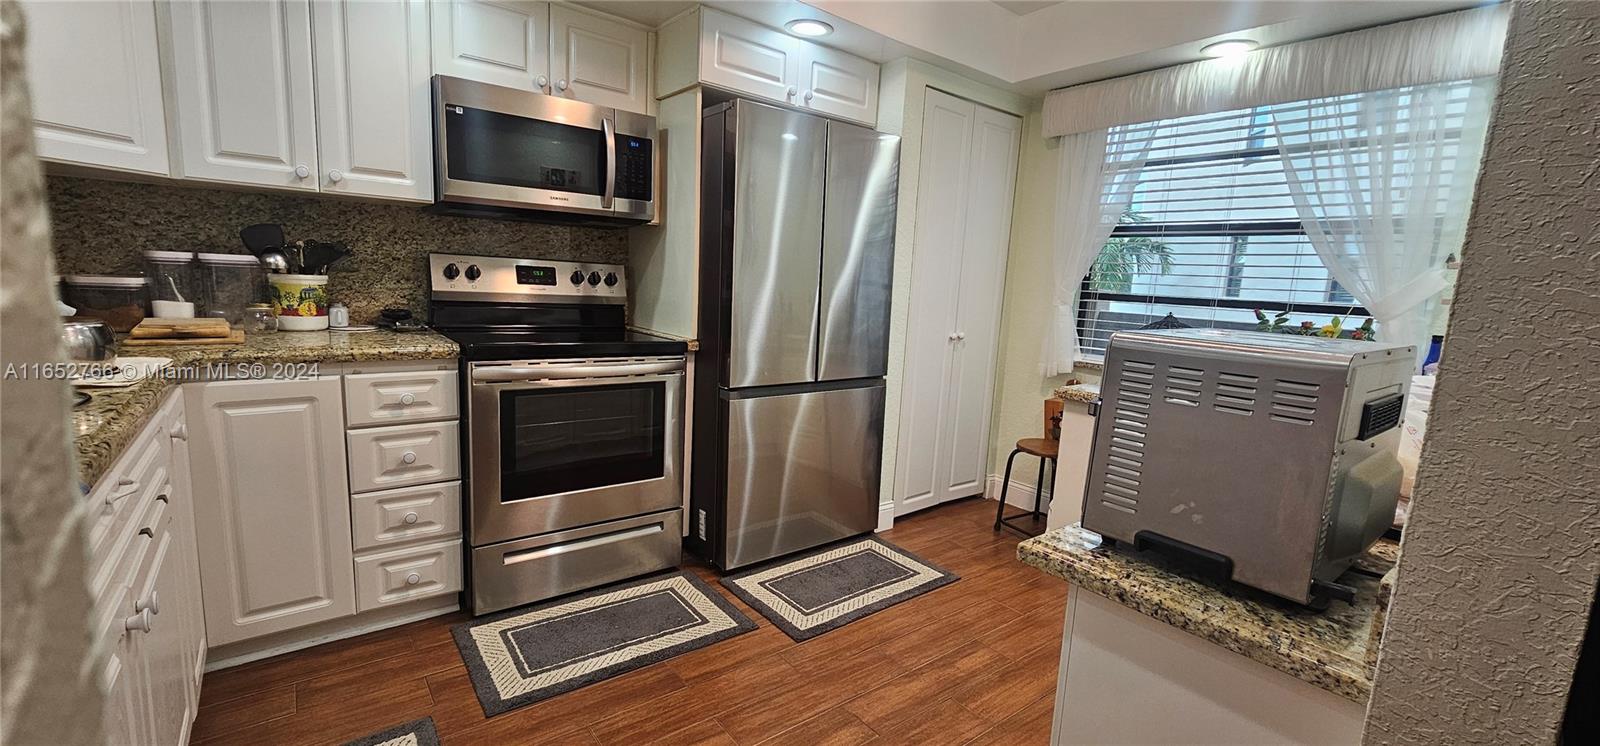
(1047, 450)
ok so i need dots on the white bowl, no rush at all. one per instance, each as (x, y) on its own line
(171, 309)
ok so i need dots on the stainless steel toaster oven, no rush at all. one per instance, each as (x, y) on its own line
(1268, 458)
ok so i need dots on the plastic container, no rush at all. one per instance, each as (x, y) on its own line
(300, 301)
(229, 283)
(118, 301)
(174, 283)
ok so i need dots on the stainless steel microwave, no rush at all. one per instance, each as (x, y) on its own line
(505, 148)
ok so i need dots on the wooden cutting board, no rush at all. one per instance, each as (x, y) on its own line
(158, 328)
(235, 337)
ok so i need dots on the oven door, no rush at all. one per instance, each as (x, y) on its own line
(559, 444)
(509, 148)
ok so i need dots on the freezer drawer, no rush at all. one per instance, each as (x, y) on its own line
(520, 572)
(802, 470)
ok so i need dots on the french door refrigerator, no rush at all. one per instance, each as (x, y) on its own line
(796, 252)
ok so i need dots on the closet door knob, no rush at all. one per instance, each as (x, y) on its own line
(139, 622)
(409, 457)
(180, 431)
(154, 604)
(961, 335)
(335, 176)
(408, 398)
(302, 171)
(413, 579)
(410, 518)
(952, 336)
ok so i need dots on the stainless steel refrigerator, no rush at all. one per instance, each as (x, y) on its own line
(796, 252)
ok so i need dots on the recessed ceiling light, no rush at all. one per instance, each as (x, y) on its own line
(808, 27)
(1229, 48)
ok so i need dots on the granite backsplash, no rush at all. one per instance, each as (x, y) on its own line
(103, 227)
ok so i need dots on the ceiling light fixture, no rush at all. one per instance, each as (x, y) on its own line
(1229, 48)
(808, 27)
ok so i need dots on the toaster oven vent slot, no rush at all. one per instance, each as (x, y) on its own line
(1115, 506)
(1294, 402)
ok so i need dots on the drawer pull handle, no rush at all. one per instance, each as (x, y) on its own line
(180, 432)
(413, 579)
(166, 495)
(409, 457)
(410, 518)
(154, 604)
(528, 555)
(408, 399)
(147, 531)
(139, 622)
(131, 484)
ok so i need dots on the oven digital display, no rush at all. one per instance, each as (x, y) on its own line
(530, 275)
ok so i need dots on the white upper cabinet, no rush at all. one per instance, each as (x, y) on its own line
(242, 92)
(95, 74)
(374, 133)
(598, 60)
(503, 42)
(747, 57)
(838, 84)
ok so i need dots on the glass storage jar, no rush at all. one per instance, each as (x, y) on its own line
(229, 283)
(173, 283)
(118, 301)
(258, 318)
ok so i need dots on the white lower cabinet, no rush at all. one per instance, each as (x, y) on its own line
(272, 505)
(403, 575)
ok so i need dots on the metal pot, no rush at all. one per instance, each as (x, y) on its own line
(89, 341)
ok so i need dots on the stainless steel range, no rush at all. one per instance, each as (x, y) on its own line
(574, 434)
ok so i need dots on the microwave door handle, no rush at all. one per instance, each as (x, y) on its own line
(558, 371)
(610, 130)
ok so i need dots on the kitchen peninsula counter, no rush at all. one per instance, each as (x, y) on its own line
(1217, 634)
(105, 425)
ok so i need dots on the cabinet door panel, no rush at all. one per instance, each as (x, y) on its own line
(747, 57)
(272, 506)
(164, 656)
(503, 42)
(838, 84)
(373, 128)
(242, 85)
(96, 84)
(599, 60)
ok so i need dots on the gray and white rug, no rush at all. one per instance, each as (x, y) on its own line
(836, 585)
(521, 656)
(414, 733)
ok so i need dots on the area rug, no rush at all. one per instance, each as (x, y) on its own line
(521, 656)
(414, 733)
(836, 585)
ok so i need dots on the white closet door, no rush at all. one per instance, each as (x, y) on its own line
(374, 132)
(930, 333)
(985, 243)
(242, 86)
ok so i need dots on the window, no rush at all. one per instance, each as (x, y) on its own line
(1212, 235)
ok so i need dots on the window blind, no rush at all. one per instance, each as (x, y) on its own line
(1212, 233)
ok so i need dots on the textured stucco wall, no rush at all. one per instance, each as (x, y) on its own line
(48, 690)
(1501, 555)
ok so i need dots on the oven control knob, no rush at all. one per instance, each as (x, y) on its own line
(594, 278)
(473, 273)
(611, 279)
(577, 277)
(451, 272)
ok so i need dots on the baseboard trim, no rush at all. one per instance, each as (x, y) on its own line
(885, 516)
(1019, 496)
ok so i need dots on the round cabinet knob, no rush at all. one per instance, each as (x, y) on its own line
(594, 278)
(473, 273)
(792, 91)
(451, 271)
(808, 95)
(410, 518)
(180, 431)
(413, 579)
(408, 457)
(154, 604)
(952, 336)
(961, 335)
(611, 279)
(139, 622)
(542, 81)
(577, 277)
(302, 171)
(336, 176)
(408, 398)
(561, 85)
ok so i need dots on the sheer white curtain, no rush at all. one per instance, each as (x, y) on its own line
(1383, 184)
(1098, 171)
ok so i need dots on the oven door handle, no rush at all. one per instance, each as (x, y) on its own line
(610, 133)
(578, 370)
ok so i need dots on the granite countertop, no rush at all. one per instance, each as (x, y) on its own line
(1335, 649)
(1082, 393)
(108, 422)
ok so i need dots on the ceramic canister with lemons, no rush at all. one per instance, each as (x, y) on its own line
(300, 301)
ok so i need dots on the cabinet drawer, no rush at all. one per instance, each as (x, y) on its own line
(406, 574)
(406, 515)
(124, 493)
(385, 457)
(385, 398)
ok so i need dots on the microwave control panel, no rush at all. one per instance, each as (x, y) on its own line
(635, 168)
(466, 277)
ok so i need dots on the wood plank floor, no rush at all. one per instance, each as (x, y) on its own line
(972, 662)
